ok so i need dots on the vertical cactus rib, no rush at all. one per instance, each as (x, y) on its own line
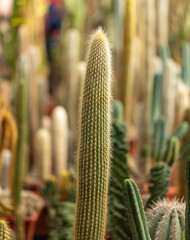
(135, 211)
(187, 213)
(94, 145)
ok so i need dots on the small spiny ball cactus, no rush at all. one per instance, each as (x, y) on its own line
(5, 232)
(43, 153)
(94, 145)
(60, 134)
(166, 220)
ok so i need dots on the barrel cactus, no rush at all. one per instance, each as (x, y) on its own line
(166, 220)
(94, 145)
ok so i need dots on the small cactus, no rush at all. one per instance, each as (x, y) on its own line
(5, 232)
(159, 182)
(166, 220)
(60, 140)
(94, 146)
(43, 153)
(135, 211)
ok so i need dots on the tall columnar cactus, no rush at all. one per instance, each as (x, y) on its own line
(186, 63)
(20, 161)
(159, 138)
(60, 134)
(94, 147)
(118, 174)
(166, 220)
(135, 211)
(43, 154)
(5, 232)
(127, 74)
(159, 182)
(187, 213)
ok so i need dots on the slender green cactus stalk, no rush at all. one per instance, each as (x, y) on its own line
(166, 220)
(159, 138)
(19, 225)
(187, 213)
(164, 54)
(172, 151)
(169, 91)
(127, 74)
(43, 154)
(181, 131)
(145, 160)
(94, 148)
(60, 135)
(118, 174)
(135, 211)
(159, 182)
(186, 63)
(20, 161)
(5, 232)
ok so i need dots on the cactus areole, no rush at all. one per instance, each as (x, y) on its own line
(94, 145)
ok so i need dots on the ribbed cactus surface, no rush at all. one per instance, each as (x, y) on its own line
(166, 220)
(159, 182)
(135, 211)
(94, 146)
(5, 232)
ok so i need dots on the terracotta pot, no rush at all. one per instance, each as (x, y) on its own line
(29, 224)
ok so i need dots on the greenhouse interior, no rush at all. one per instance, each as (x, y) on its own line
(94, 120)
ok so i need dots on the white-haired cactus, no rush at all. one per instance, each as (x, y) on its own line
(60, 131)
(46, 123)
(43, 154)
(94, 146)
(166, 220)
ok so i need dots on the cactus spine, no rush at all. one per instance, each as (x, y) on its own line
(94, 147)
(135, 211)
(60, 139)
(5, 232)
(166, 220)
(43, 154)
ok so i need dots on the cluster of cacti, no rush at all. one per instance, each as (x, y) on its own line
(94, 148)
(119, 172)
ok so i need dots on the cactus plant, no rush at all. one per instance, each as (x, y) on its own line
(172, 151)
(166, 220)
(5, 232)
(60, 140)
(159, 182)
(68, 185)
(135, 211)
(181, 131)
(43, 154)
(118, 174)
(186, 63)
(187, 213)
(5, 160)
(94, 148)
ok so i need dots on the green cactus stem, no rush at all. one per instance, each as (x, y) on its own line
(186, 63)
(172, 151)
(5, 232)
(159, 182)
(187, 213)
(166, 220)
(94, 145)
(135, 211)
(181, 131)
(19, 163)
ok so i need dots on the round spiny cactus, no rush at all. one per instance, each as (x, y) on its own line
(94, 146)
(5, 232)
(166, 220)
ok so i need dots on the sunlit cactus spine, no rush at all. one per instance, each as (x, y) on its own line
(43, 154)
(94, 145)
(119, 173)
(127, 61)
(60, 136)
(5, 232)
(135, 211)
(20, 161)
(166, 220)
(159, 182)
